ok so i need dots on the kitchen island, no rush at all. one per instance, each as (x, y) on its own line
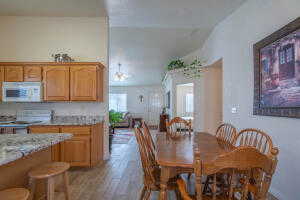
(21, 152)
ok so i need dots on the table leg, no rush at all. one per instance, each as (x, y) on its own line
(164, 178)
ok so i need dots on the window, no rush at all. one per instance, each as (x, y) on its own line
(118, 102)
(189, 103)
(289, 55)
(282, 57)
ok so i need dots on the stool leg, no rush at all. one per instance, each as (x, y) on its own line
(50, 188)
(66, 184)
(32, 185)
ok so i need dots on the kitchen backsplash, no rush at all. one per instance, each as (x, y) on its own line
(60, 109)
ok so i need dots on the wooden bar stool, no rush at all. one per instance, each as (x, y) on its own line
(14, 194)
(49, 171)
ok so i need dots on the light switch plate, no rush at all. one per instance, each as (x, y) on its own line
(234, 110)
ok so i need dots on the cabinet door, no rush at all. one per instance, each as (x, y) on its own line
(76, 151)
(1, 80)
(96, 144)
(33, 73)
(56, 83)
(83, 83)
(55, 149)
(13, 73)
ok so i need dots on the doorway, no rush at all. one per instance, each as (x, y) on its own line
(185, 100)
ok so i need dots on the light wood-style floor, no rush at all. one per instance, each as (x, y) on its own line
(120, 178)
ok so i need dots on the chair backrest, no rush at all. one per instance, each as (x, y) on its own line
(178, 126)
(257, 139)
(148, 135)
(226, 132)
(147, 158)
(241, 159)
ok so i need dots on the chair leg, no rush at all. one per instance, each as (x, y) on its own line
(143, 193)
(189, 175)
(50, 188)
(148, 194)
(32, 186)
(206, 184)
(66, 185)
(177, 193)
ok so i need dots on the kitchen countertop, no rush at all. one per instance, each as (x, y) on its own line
(76, 120)
(16, 146)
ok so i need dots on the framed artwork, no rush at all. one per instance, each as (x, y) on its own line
(277, 73)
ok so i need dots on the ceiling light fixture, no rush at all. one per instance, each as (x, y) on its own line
(119, 76)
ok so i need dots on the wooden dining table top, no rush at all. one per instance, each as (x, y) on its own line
(179, 152)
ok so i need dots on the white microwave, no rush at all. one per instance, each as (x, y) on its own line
(22, 92)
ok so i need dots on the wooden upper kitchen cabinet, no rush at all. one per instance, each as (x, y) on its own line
(83, 84)
(56, 83)
(1, 80)
(55, 149)
(33, 73)
(13, 73)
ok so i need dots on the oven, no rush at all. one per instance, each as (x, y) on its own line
(22, 92)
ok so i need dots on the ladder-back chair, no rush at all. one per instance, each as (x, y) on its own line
(150, 168)
(148, 135)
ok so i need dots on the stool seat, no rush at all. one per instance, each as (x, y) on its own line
(14, 194)
(48, 170)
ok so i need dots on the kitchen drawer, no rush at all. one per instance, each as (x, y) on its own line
(76, 130)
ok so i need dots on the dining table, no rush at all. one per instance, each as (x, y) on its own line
(175, 155)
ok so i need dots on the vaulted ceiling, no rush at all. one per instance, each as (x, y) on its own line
(145, 35)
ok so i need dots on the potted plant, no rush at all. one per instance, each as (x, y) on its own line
(114, 117)
(175, 64)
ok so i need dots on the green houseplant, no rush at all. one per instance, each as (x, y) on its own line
(176, 64)
(192, 70)
(114, 117)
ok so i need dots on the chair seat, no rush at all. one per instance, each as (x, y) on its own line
(48, 170)
(14, 194)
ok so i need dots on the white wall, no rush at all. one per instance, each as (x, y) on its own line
(137, 108)
(36, 38)
(232, 40)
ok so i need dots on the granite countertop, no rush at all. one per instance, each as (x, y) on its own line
(58, 121)
(16, 146)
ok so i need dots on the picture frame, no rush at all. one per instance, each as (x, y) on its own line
(277, 73)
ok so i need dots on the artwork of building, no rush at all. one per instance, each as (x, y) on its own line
(280, 72)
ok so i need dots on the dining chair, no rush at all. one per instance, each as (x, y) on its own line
(240, 159)
(226, 132)
(258, 139)
(150, 168)
(263, 143)
(178, 126)
(148, 135)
